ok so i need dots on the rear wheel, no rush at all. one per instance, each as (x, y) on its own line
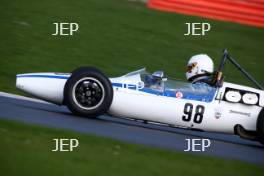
(260, 127)
(88, 92)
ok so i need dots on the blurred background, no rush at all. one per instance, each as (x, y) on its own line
(119, 36)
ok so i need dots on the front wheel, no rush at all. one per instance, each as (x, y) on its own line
(260, 127)
(88, 92)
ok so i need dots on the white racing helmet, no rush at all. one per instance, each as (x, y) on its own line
(199, 65)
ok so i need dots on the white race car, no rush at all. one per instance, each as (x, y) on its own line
(220, 107)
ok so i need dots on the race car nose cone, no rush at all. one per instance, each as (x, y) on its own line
(45, 86)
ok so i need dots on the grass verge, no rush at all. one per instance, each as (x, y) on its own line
(26, 150)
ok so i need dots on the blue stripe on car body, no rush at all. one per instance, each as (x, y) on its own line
(43, 76)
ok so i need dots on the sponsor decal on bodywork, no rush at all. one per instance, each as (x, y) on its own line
(218, 113)
(240, 113)
(179, 95)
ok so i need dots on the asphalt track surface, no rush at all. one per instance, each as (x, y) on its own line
(37, 112)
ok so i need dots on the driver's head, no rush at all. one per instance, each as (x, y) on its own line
(199, 65)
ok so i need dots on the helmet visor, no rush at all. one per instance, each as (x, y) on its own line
(191, 66)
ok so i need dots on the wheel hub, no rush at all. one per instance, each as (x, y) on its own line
(88, 93)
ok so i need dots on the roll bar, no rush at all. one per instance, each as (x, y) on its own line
(219, 73)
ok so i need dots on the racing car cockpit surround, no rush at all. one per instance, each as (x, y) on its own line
(157, 84)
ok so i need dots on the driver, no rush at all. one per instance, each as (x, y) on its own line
(200, 69)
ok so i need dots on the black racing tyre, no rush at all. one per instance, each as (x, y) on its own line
(88, 92)
(260, 127)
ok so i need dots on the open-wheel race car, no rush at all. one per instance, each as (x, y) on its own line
(217, 107)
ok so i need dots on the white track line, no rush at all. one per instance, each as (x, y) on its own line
(4, 94)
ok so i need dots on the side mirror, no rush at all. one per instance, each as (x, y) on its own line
(160, 75)
(164, 79)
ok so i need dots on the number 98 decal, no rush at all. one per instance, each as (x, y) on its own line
(188, 113)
